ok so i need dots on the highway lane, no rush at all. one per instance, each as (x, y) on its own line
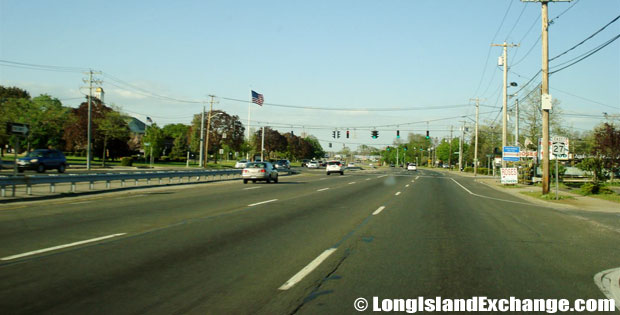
(456, 245)
(203, 249)
(304, 221)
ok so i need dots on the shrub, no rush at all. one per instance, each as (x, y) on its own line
(126, 161)
(164, 158)
(590, 188)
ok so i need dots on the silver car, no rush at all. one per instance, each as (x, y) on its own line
(256, 171)
(241, 164)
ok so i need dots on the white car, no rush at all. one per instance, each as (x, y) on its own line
(351, 164)
(241, 164)
(412, 167)
(335, 167)
(313, 164)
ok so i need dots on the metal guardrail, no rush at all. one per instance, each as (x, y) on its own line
(73, 179)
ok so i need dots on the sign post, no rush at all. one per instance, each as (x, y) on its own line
(20, 130)
(559, 148)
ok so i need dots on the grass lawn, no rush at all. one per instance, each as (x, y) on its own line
(549, 197)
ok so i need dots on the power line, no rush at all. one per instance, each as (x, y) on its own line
(586, 39)
(486, 62)
(41, 67)
(559, 15)
(592, 52)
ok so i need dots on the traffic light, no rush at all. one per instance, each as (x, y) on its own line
(330, 144)
(427, 136)
(292, 134)
(405, 148)
(388, 148)
(397, 134)
(338, 133)
(347, 134)
(334, 134)
(375, 134)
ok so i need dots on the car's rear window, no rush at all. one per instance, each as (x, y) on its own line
(256, 165)
(333, 163)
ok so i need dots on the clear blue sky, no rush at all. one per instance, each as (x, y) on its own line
(337, 54)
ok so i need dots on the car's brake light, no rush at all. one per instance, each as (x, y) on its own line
(262, 171)
(246, 171)
(339, 164)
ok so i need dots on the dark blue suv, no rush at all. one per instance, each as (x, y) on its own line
(41, 160)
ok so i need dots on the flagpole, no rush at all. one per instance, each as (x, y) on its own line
(247, 154)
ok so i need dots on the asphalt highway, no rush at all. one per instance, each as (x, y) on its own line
(310, 244)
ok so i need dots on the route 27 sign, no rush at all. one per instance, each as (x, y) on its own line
(558, 147)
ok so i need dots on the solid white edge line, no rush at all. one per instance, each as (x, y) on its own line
(467, 190)
(322, 189)
(396, 194)
(378, 210)
(249, 188)
(306, 270)
(417, 177)
(34, 252)
(262, 202)
(608, 282)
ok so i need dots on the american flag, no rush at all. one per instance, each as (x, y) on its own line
(257, 98)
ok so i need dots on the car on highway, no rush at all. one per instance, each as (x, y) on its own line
(241, 164)
(412, 167)
(334, 167)
(313, 164)
(351, 164)
(304, 162)
(259, 171)
(282, 165)
(41, 160)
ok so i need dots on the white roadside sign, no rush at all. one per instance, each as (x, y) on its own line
(510, 175)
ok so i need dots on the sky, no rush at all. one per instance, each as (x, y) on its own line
(366, 61)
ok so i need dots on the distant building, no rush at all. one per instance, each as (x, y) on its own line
(137, 130)
(99, 93)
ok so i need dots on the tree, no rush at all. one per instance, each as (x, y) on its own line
(13, 102)
(179, 135)
(315, 147)
(76, 127)
(607, 146)
(531, 115)
(112, 126)
(274, 141)
(221, 124)
(153, 141)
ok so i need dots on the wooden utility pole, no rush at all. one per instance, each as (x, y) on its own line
(545, 91)
(505, 96)
(476, 142)
(206, 155)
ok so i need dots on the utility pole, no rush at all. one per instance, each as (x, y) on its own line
(450, 155)
(516, 122)
(505, 96)
(461, 147)
(262, 145)
(90, 82)
(545, 90)
(202, 138)
(476, 142)
(208, 129)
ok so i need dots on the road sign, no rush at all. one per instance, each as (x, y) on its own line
(221, 151)
(559, 147)
(510, 175)
(511, 154)
(563, 146)
(17, 129)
